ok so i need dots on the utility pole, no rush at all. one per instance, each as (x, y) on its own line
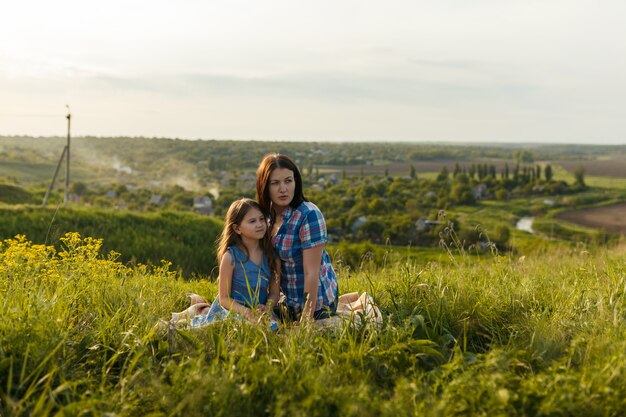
(67, 168)
(66, 150)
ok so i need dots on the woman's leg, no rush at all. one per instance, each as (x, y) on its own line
(348, 298)
(346, 301)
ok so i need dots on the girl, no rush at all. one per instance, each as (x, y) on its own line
(249, 280)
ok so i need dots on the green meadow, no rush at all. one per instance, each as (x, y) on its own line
(543, 334)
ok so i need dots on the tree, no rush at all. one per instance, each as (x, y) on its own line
(547, 172)
(412, 172)
(372, 229)
(462, 178)
(461, 193)
(457, 169)
(366, 192)
(525, 175)
(501, 234)
(481, 173)
(579, 176)
(212, 164)
(501, 194)
(443, 174)
(472, 171)
(78, 188)
(524, 156)
(411, 205)
(377, 206)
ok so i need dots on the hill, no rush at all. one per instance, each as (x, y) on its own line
(539, 335)
(185, 240)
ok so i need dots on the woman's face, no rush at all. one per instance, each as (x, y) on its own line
(282, 187)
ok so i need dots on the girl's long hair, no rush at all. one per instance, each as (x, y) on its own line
(269, 163)
(236, 212)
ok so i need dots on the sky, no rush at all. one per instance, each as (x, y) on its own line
(495, 71)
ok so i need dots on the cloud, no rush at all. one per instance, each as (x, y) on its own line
(328, 88)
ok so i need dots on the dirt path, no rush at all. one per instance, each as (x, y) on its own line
(611, 217)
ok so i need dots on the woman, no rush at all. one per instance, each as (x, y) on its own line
(298, 231)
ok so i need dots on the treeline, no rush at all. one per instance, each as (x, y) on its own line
(404, 210)
(407, 210)
(184, 239)
(153, 159)
(381, 209)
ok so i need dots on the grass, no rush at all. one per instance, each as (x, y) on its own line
(612, 183)
(43, 172)
(185, 239)
(606, 182)
(538, 335)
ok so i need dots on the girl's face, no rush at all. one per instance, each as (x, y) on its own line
(252, 226)
(282, 187)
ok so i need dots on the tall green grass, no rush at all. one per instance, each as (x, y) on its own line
(12, 194)
(185, 239)
(538, 335)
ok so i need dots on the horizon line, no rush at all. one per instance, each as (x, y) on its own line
(309, 140)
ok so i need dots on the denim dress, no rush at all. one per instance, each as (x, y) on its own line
(249, 287)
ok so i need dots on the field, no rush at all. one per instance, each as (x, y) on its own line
(542, 335)
(611, 218)
(605, 167)
(404, 168)
(535, 327)
(605, 173)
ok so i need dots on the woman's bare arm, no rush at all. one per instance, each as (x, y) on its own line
(312, 260)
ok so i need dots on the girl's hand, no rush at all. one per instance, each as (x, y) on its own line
(253, 316)
(248, 314)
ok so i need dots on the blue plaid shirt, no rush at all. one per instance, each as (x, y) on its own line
(304, 228)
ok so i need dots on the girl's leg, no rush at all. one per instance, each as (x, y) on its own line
(194, 310)
(195, 298)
